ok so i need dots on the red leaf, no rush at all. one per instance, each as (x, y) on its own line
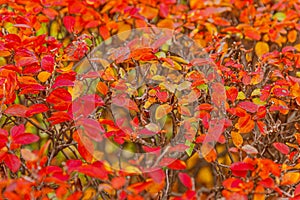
(59, 117)
(139, 187)
(163, 10)
(94, 170)
(281, 92)
(185, 180)
(241, 168)
(25, 61)
(218, 94)
(162, 96)
(248, 106)
(25, 138)
(158, 175)
(118, 182)
(35, 109)
(297, 190)
(205, 106)
(85, 146)
(252, 33)
(288, 48)
(69, 23)
(73, 165)
(61, 99)
(12, 162)
(17, 130)
(268, 183)
(232, 93)
(47, 63)
(92, 128)
(16, 110)
(104, 32)
(284, 149)
(177, 165)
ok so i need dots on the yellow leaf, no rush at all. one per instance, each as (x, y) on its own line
(241, 96)
(261, 48)
(2, 61)
(178, 59)
(43, 76)
(290, 178)
(89, 193)
(212, 29)
(237, 139)
(66, 69)
(107, 188)
(175, 65)
(162, 110)
(132, 170)
(297, 47)
(205, 176)
(124, 31)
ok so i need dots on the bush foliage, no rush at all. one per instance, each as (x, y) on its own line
(255, 48)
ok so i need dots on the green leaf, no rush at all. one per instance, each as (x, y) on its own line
(241, 95)
(191, 146)
(42, 30)
(280, 16)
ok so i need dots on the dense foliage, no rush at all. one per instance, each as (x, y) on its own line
(254, 45)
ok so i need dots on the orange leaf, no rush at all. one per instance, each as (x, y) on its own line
(102, 88)
(43, 76)
(118, 182)
(139, 187)
(208, 152)
(252, 33)
(259, 193)
(292, 36)
(245, 124)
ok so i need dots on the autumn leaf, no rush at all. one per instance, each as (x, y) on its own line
(241, 168)
(249, 149)
(245, 124)
(47, 63)
(208, 152)
(162, 110)
(69, 22)
(259, 193)
(261, 48)
(102, 88)
(138, 187)
(232, 93)
(118, 182)
(25, 138)
(16, 110)
(284, 149)
(12, 162)
(237, 139)
(35, 109)
(290, 178)
(185, 180)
